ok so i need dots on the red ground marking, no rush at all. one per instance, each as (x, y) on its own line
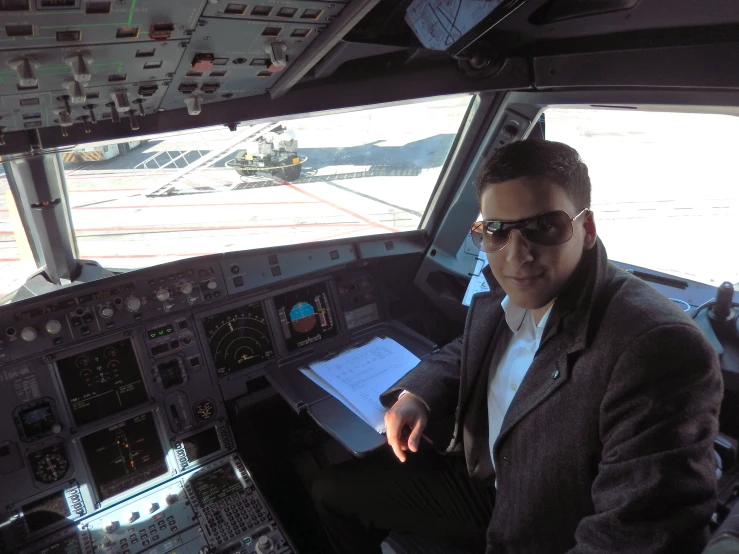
(336, 206)
(10, 259)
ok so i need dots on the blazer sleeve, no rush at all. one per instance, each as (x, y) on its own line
(655, 490)
(435, 380)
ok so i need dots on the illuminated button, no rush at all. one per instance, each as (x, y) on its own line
(106, 312)
(53, 326)
(29, 333)
(153, 507)
(212, 285)
(110, 526)
(133, 303)
(162, 295)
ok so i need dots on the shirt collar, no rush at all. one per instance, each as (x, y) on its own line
(515, 315)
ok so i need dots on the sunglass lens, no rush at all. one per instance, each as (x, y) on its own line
(549, 229)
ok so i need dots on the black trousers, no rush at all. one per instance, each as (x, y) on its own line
(430, 495)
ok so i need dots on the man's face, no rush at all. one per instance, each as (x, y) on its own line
(532, 275)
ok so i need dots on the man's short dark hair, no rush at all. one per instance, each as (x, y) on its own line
(538, 159)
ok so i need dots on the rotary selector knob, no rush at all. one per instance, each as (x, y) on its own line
(264, 544)
(153, 507)
(110, 526)
(162, 295)
(186, 288)
(29, 333)
(212, 285)
(53, 326)
(56, 428)
(108, 544)
(106, 312)
(172, 499)
(132, 516)
(133, 304)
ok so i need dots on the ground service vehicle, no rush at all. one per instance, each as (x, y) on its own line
(155, 314)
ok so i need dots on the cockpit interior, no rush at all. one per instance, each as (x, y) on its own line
(312, 167)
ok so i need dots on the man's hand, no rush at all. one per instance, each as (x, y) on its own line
(409, 411)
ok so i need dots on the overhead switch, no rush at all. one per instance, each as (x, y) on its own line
(80, 64)
(202, 62)
(122, 103)
(25, 68)
(277, 52)
(76, 92)
(194, 105)
(64, 120)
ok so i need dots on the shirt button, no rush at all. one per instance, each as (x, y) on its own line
(514, 387)
(555, 374)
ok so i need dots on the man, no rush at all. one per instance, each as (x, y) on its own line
(585, 403)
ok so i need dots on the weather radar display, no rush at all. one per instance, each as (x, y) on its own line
(305, 316)
(238, 338)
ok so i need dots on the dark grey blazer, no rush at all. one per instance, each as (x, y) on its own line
(607, 445)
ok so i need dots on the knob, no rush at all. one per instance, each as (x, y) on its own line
(65, 120)
(153, 507)
(28, 334)
(122, 103)
(133, 121)
(172, 499)
(264, 544)
(80, 64)
(110, 526)
(132, 516)
(721, 310)
(56, 428)
(162, 295)
(106, 312)
(277, 52)
(133, 304)
(114, 117)
(141, 109)
(186, 288)
(194, 105)
(25, 68)
(76, 92)
(53, 326)
(205, 550)
(2, 135)
(212, 285)
(108, 544)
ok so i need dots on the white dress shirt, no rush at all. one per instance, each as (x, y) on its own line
(513, 361)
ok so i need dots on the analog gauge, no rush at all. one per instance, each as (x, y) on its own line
(49, 464)
(82, 362)
(205, 410)
(110, 352)
(238, 339)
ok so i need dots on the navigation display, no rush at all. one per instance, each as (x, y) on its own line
(238, 338)
(102, 381)
(216, 485)
(201, 444)
(305, 316)
(46, 511)
(124, 455)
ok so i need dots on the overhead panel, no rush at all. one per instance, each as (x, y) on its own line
(233, 58)
(276, 10)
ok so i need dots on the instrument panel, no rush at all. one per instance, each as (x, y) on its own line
(112, 389)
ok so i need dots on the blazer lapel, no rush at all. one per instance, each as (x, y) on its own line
(547, 373)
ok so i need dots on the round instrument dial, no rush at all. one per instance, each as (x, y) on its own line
(49, 464)
(238, 338)
(205, 410)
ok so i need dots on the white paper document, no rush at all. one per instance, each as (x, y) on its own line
(440, 23)
(358, 377)
(477, 282)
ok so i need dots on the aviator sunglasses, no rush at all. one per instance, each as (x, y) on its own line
(547, 229)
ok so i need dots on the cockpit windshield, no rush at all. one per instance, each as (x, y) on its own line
(273, 183)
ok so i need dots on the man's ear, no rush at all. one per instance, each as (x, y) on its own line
(590, 233)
